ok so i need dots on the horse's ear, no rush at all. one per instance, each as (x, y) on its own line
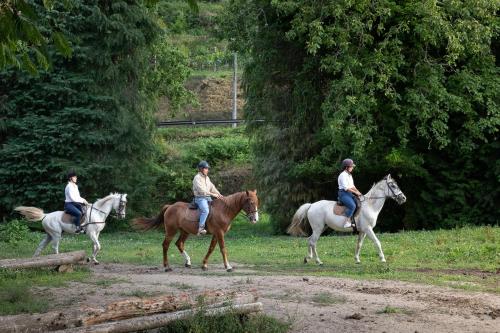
(255, 191)
(389, 176)
(125, 195)
(247, 193)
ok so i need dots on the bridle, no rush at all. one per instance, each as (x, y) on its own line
(121, 207)
(249, 212)
(393, 196)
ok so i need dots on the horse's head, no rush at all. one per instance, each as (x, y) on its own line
(393, 191)
(120, 204)
(251, 206)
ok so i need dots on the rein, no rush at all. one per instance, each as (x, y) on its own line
(393, 194)
(121, 205)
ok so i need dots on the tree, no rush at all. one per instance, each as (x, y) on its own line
(92, 112)
(409, 88)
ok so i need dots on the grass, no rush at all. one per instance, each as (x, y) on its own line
(17, 288)
(465, 258)
(392, 309)
(325, 298)
(229, 323)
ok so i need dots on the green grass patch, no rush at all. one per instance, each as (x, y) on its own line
(17, 293)
(229, 323)
(392, 309)
(325, 298)
(465, 258)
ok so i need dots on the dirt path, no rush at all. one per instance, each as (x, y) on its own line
(312, 304)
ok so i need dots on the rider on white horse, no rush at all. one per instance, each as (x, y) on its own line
(73, 202)
(347, 190)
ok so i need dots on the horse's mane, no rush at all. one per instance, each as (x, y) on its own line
(106, 198)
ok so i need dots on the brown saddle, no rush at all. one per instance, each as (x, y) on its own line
(339, 208)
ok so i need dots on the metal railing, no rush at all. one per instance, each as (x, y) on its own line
(204, 122)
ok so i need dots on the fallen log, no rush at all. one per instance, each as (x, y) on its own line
(123, 309)
(159, 320)
(44, 261)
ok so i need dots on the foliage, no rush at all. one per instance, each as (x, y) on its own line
(14, 231)
(183, 148)
(228, 323)
(409, 88)
(23, 41)
(92, 113)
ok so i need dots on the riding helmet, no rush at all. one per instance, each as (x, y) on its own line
(72, 173)
(347, 163)
(203, 164)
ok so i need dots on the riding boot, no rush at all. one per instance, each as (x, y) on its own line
(201, 231)
(347, 223)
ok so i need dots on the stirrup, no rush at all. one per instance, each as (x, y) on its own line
(201, 231)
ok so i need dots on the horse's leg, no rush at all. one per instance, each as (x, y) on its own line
(56, 238)
(94, 236)
(180, 245)
(359, 244)
(210, 250)
(169, 235)
(312, 243)
(375, 240)
(42, 245)
(310, 252)
(223, 251)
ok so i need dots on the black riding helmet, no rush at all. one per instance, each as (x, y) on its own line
(71, 173)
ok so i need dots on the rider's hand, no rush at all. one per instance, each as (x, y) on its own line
(219, 196)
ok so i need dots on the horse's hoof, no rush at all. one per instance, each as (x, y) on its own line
(187, 265)
(229, 270)
(205, 268)
(96, 262)
(305, 260)
(168, 269)
(88, 259)
(320, 264)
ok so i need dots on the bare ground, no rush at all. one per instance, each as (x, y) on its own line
(311, 304)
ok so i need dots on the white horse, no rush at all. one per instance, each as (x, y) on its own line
(56, 222)
(320, 214)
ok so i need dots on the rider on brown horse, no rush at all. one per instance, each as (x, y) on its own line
(203, 190)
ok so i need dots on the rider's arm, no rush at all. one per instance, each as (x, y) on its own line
(214, 191)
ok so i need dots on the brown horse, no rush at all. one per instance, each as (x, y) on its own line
(179, 216)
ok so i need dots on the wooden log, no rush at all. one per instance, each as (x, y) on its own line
(159, 320)
(44, 261)
(123, 309)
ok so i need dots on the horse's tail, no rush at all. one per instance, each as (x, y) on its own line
(145, 223)
(32, 214)
(299, 221)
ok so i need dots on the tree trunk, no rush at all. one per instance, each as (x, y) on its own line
(119, 310)
(44, 261)
(159, 320)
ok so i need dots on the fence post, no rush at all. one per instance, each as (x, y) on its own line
(235, 88)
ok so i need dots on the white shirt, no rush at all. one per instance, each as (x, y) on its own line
(203, 187)
(345, 181)
(72, 193)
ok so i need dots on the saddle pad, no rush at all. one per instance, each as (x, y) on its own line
(339, 210)
(66, 218)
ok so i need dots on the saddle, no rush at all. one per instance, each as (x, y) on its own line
(193, 213)
(67, 218)
(339, 208)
